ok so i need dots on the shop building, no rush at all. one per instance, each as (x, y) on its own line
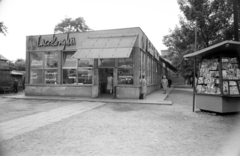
(77, 64)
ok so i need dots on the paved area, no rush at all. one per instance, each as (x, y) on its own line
(115, 129)
(12, 128)
(156, 97)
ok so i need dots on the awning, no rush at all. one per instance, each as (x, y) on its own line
(229, 47)
(106, 47)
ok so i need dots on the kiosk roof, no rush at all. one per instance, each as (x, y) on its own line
(222, 47)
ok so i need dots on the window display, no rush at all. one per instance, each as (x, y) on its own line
(208, 80)
(85, 76)
(36, 76)
(69, 76)
(125, 76)
(230, 68)
(51, 59)
(51, 76)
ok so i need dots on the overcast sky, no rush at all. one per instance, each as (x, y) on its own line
(38, 17)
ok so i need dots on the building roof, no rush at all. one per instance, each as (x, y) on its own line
(164, 52)
(14, 72)
(229, 47)
(3, 58)
(169, 65)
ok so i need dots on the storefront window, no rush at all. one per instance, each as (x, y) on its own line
(106, 63)
(36, 68)
(51, 59)
(36, 76)
(85, 75)
(51, 76)
(69, 68)
(125, 62)
(125, 76)
(51, 66)
(69, 76)
(85, 63)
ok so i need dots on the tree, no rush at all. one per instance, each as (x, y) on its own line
(71, 25)
(3, 28)
(20, 64)
(214, 24)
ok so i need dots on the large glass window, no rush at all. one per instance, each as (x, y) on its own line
(85, 75)
(106, 62)
(51, 67)
(51, 76)
(36, 68)
(69, 68)
(125, 76)
(85, 71)
(125, 62)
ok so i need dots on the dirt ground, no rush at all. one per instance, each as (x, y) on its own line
(130, 130)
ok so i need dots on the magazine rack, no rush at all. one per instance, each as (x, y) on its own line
(218, 78)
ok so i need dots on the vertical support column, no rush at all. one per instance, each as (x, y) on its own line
(27, 63)
(115, 79)
(194, 86)
(60, 60)
(136, 68)
(95, 84)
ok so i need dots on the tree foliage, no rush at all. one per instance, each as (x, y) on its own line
(18, 65)
(214, 24)
(71, 25)
(3, 28)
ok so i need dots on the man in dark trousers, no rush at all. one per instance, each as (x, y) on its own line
(169, 82)
(15, 85)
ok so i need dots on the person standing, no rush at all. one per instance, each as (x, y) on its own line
(169, 83)
(143, 83)
(109, 83)
(164, 84)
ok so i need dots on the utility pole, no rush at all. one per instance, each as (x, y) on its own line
(194, 70)
(236, 11)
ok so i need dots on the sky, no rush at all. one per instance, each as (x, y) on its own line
(38, 17)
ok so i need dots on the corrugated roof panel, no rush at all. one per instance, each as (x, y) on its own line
(94, 43)
(103, 53)
(106, 47)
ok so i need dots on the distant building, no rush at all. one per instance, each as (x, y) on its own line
(3, 62)
(175, 76)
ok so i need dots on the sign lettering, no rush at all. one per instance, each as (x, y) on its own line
(55, 42)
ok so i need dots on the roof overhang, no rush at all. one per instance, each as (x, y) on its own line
(225, 47)
(106, 47)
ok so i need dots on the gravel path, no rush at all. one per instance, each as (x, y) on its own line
(130, 130)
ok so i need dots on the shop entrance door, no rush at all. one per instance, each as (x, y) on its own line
(105, 90)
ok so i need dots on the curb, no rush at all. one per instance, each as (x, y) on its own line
(92, 100)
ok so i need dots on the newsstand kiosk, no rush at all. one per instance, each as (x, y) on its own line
(218, 77)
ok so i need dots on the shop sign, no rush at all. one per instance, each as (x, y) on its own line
(33, 43)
